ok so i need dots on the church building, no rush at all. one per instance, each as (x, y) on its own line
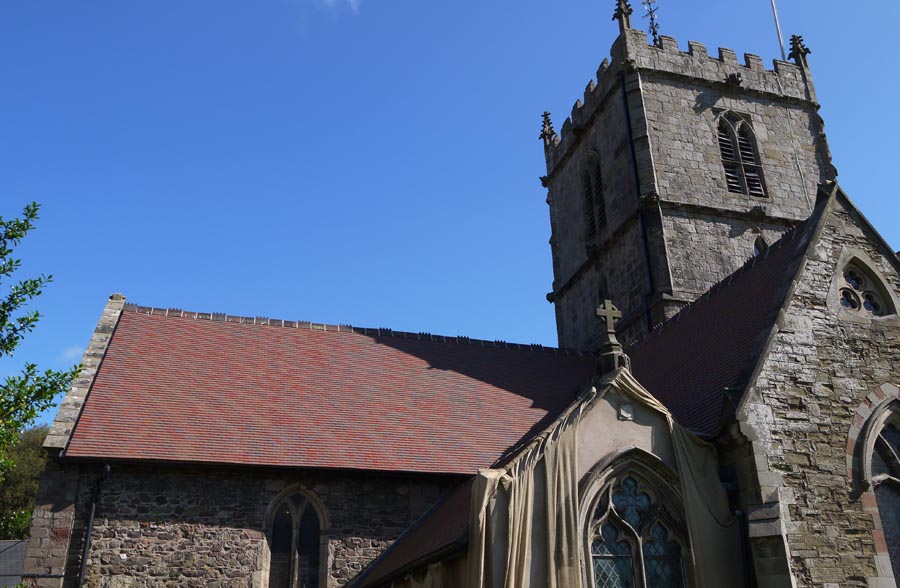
(723, 409)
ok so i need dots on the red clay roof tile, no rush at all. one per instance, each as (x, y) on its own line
(204, 391)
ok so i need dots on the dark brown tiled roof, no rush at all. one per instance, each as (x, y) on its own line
(183, 387)
(712, 346)
(443, 529)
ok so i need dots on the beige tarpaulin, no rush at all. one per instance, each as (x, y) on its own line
(713, 528)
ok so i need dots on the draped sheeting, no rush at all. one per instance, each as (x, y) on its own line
(504, 503)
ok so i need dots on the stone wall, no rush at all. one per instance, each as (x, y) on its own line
(161, 527)
(824, 364)
(673, 227)
(615, 261)
(703, 250)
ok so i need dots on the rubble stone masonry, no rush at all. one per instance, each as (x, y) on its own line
(803, 415)
(159, 527)
(673, 229)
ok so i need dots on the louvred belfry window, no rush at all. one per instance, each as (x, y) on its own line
(593, 199)
(590, 222)
(740, 157)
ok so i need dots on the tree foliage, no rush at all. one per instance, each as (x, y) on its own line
(23, 396)
(19, 486)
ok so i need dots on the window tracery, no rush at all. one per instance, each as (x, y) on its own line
(294, 544)
(885, 481)
(740, 156)
(634, 539)
(862, 294)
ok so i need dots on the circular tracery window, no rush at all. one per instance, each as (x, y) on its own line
(859, 294)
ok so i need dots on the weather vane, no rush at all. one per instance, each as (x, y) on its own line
(650, 6)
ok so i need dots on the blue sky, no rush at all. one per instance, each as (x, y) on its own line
(369, 162)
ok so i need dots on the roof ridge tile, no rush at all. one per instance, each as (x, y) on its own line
(133, 308)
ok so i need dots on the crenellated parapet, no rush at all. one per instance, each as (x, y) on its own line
(632, 54)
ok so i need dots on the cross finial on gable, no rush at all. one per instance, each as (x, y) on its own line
(609, 315)
(610, 356)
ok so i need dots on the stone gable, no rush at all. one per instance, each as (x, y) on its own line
(800, 413)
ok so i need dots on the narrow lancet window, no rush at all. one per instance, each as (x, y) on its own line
(590, 221)
(593, 199)
(760, 246)
(294, 544)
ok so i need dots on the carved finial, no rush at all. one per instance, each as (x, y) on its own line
(610, 356)
(547, 132)
(650, 6)
(623, 15)
(799, 51)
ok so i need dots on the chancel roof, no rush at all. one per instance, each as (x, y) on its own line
(699, 362)
(188, 387)
(691, 364)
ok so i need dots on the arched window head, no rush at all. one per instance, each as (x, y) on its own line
(294, 543)
(593, 198)
(740, 156)
(862, 293)
(635, 538)
(759, 246)
(883, 477)
(590, 219)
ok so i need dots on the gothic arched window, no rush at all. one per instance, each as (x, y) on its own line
(862, 293)
(760, 246)
(740, 157)
(294, 544)
(593, 200)
(635, 539)
(590, 219)
(885, 480)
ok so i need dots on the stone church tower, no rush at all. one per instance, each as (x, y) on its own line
(668, 175)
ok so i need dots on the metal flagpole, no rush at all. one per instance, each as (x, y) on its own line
(790, 116)
(778, 29)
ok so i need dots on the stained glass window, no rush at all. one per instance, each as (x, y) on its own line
(886, 480)
(662, 559)
(631, 545)
(630, 502)
(613, 567)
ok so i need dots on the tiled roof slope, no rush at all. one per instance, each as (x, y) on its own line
(713, 344)
(219, 390)
(711, 347)
(442, 530)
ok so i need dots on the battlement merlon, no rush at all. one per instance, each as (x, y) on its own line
(631, 53)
